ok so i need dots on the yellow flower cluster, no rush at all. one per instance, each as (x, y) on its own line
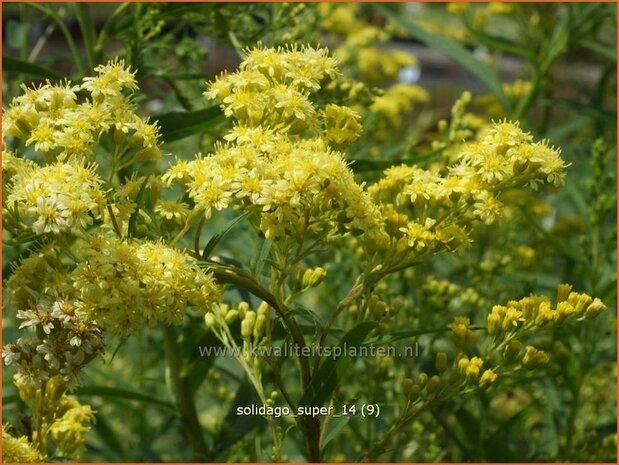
(124, 285)
(54, 198)
(297, 185)
(272, 88)
(68, 431)
(393, 106)
(535, 312)
(55, 416)
(377, 66)
(374, 65)
(504, 158)
(52, 119)
(515, 91)
(17, 449)
(508, 325)
(39, 274)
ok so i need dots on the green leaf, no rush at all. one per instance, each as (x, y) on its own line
(324, 380)
(16, 65)
(336, 426)
(219, 236)
(556, 45)
(178, 125)
(453, 50)
(500, 43)
(114, 392)
(260, 254)
(605, 50)
(236, 427)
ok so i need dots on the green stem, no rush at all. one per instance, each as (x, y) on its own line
(65, 32)
(87, 27)
(105, 31)
(187, 227)
(184, 395)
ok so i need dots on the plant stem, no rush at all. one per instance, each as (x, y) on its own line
(187, 227)
(67, 35)
(184, 396)
(87, 27)
(103, 35)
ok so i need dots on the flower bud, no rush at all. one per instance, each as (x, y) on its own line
(414, 392)
(231, 316)
(313, 277)
(464, 338)
(379, 310)
(433, 384)
(534, 358)
(563, 292)
(494, 323)
(472, 370)
(259, 327)
(487, 378)
(462, 365)
(594, 309)
(441, 362)
(544, 315)
(263, 308)
(247, 325)
(407, 385)
(422, 379)
(243, 309)
(210, 321)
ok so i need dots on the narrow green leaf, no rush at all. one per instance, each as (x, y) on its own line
(324, 380)
(178, 125)
(500, 43)
(114, 392)
(606, 51)
(219, 236)
(336, 426)
(17, 65)
(453, 50)
(260, 254)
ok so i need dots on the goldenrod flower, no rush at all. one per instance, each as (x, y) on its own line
(124, 285)
(57, 198)
(18, 449)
